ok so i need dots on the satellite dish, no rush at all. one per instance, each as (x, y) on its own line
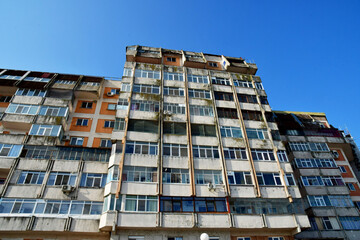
(204, 236)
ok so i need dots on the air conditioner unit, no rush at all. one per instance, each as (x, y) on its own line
(67, 189)
(335, 153)
(110, 94)
(66, 137)
(211, 186)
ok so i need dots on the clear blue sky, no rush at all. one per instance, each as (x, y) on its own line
(306, 51)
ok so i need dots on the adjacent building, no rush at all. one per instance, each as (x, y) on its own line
(183, 143)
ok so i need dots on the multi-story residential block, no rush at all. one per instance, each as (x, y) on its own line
(321, 157)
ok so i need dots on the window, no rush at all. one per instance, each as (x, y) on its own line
(198, 110)
(67, 82)
(198, 78)
(147, 74)
(192, 204)
(53, 111)
(268, 179)
(239, 178)
(128, 72)
(111, 106)
(176, 175)
(22, 109)
(304, 146)
(105, 143)
(205, 151)
(282, 156)
(313, 223)
(318, 201)
(234, 132)
(174, 108)
(122, 104)
(208, 176)
(312, 181)
(270, 117)
(342, 169)
(173, 76)
(37, 79)
(203, 130)
(195, 93)
(126, 87)
(289, 179)
(247, 98)
(262, 155)
(109, 124)
(30, 92)
(143, 126)
(263, 100)
(175, 150)
(113, 174)
(112, 203)
(93, 180)
(253, 133)
(220, 81)
(319, 147)
(243, 238)
(55, 207)
(227, 113)
(171, 59)
(119, 124)
(174, 128)
(93, 84)
(136, 238)
(10, 77)
(29, 177)
(341, 201)
(86, 105)
(175, 238)
(235, 153)
(143, 88)
(333, 181)
(327, 223)
(141, 148)
(82, 122)
(62, 178)
(78, 141)
(224, 96)
(172, 91)
(252, 115)
(139, 174)
(351, 186)
(10, 150)
(240, 83)
(146, 106)
(350, 223)
(315, 163)
(136, 203)
(258, 85)
(5, 98)
(45, 130)
(275, 238)
(213, 64)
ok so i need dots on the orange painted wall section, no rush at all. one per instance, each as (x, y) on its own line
(348, 173)
(67, 143)
(177, 63)
(357, 190)
(215, 68)
(74, 127)
(96, 142)
(4, 104)
(104, 109)
(79, 109)
(108, 89)
(100, 127)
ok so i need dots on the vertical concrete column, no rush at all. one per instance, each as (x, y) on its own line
(246, 140)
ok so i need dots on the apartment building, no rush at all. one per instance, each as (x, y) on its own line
(321, 158)
(184, 143)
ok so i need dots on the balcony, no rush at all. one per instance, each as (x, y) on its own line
(18, 122)
(89, 88)
(239, 65)
(12, 138)
(10, 77)
(143, 54)
(136, 219)
(194, 60)
(36, 80)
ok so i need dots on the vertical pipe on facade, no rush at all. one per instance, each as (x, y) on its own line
(188, 128)
(246, 140)
(121, 164)
(160, 129)
(282, 173)
(217, 126)
(10, 174)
